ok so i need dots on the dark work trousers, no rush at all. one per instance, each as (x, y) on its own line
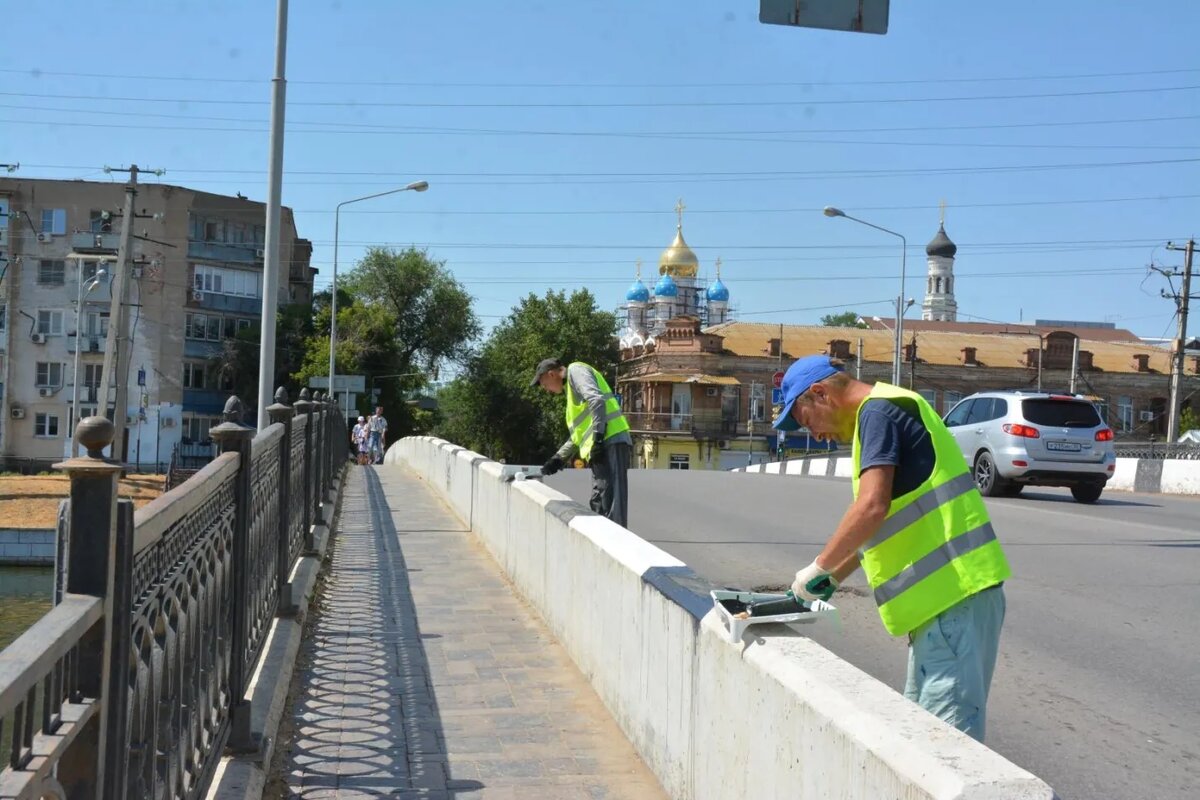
(610, 484)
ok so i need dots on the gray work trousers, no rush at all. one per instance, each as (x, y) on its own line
(610, 484)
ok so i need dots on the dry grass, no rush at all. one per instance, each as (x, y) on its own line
(31, 501)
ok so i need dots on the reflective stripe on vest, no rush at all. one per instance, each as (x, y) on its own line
(579, 417)
(936, 546)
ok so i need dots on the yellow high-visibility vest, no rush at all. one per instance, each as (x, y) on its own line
(579, 418)
(936, 546)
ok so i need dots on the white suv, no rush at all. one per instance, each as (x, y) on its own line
(1017, 439)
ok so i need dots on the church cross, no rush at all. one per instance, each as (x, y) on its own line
(679, 207)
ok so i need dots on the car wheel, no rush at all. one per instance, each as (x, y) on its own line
(986, 478)
(1013, 489)
(1088, 493)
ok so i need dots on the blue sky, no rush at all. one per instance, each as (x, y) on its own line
(557, 137)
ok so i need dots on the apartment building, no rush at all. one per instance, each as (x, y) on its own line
(197, 280)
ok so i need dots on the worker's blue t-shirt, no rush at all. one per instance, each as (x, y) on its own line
(891, 435)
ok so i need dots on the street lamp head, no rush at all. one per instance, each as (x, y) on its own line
(419, 186)
(876, 319)
(830, 211)
(909, 303)
(96, 280)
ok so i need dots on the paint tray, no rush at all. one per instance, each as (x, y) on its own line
(728, 602)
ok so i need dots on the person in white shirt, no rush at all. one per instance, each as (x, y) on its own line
(377, 427)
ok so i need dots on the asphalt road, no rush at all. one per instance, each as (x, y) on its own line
(1097, 689)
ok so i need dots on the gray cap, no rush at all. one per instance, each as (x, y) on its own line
(544, 366)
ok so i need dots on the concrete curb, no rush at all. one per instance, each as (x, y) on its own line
(239, 778)
(1146, 475)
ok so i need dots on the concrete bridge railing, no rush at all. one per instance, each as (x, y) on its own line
(135, 684)
(778, 716)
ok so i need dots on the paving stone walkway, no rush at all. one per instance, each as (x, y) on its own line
(424, 676)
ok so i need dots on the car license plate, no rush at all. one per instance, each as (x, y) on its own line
(1069, 447)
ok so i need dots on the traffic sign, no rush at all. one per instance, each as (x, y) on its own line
(341, 383)
(777, 397)
(777, 380)
(858, 16)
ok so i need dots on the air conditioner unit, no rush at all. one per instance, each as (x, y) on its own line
(45, 238)
(711, 391)
(16, 412)
(1146, 416)
(46, 391)
(197, 295)
(168, 422)
(260, 253)
(38, 338)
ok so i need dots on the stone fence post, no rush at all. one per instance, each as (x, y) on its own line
(281, 412)
(304, 407)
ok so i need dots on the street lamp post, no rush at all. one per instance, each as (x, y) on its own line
(830, 211)
(100, 275)
(418, 186)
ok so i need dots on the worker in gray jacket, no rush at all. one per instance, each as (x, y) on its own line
(598, 432)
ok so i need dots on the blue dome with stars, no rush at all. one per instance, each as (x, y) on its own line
(638, 293)
(718, 292)
(666, 287)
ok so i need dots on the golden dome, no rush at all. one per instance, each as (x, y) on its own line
(678, 260)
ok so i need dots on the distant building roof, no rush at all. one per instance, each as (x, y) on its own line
(1085, 331)
(936, 346)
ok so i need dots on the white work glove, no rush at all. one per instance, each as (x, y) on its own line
(814, 583)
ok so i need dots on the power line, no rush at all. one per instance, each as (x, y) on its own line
(442, 130)
(627, 104)
(39, 73)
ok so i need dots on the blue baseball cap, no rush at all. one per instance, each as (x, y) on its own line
(798, 379)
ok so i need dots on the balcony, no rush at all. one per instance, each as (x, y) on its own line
(245, 253)
(89, 343)
(87, 242)
(702, 425)
(212, 301)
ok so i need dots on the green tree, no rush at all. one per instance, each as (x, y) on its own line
(1189, 420)
(400, 312)
(492, 409)
(846, 319)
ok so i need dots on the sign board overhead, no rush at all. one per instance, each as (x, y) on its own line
(859, 16)
(341, 383)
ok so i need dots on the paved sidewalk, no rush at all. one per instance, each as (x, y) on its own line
(426, 677)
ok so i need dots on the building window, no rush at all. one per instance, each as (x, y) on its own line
(54, 221)
(3, 317)
(237, 282)
(88, 269)
(193, 375)
(100, 221)
(679, 461)
(195, 326)
(96, 325)
(195, 429)
(51, 273)
(1125, 413)
(90, 391)
(758, 402)
(243, 325)
(50, 322)
(950, 400)
(213, 333)
(237, 232)
(45, 425)
(49, 374)
(214, 230)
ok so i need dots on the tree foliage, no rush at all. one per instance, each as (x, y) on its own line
(400, 313)
(846, 319)
(491, 407)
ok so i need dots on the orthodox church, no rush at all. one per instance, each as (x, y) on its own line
(679, 292)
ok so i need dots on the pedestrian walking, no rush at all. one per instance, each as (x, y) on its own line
(918, 528)
(359, 441)
(598, 433)
(377, 428)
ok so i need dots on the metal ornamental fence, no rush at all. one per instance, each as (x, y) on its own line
(133, 685)
(1160, 450)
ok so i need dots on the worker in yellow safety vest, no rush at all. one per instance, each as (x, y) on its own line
(919, 529)
(598, 433)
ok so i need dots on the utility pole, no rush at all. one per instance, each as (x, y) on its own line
(116, 344)
(270, 295)
(1074, 364)
(858, 361)
(1181, 338)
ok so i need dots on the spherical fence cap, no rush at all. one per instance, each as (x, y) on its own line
(95, 434)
